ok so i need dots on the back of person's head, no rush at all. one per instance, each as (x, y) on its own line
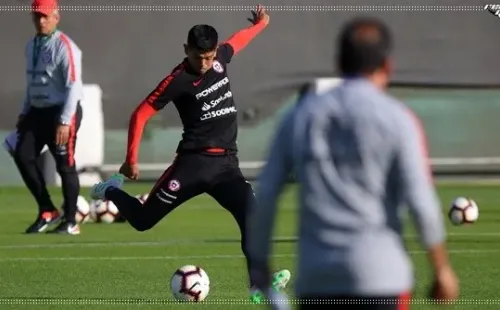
(203, 38)
(364, 46)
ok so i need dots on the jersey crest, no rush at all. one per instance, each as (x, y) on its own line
(218, 67)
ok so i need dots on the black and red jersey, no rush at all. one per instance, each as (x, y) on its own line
(205, 102)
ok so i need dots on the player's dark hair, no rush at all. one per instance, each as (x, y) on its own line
(364, 45)
(203, 38)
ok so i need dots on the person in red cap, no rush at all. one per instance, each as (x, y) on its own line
(50, 116)
(48, 8)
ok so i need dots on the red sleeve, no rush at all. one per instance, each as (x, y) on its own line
(240, 39)
(156, 100)
(138, 120)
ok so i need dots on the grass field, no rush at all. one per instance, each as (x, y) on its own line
(115, 267)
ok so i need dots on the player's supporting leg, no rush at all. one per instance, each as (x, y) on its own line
(66, 167)
(165, 196)
(236, 195)
(28, 148)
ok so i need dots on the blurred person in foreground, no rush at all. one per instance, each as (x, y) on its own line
(206, 160)
(50, 116)
(358, 155)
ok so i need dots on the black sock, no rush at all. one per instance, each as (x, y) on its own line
(240, 218)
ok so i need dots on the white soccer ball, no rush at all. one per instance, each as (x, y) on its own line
(142, 197)
(82, 210)
(190, 283)
(93, 210)
(463, 211)
(106, 212)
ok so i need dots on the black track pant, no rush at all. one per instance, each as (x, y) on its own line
(37, 130)
(190, 175)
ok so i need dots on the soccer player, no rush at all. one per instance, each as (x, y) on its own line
(51, 116)
(358, 155)
(206, 160)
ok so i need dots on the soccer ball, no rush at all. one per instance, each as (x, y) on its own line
(82, 210)
(463, 211)
(93, 210)
(142, 197)
(106, 212)
(190, 283)
(82, 214)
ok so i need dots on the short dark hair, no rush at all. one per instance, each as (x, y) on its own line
(203, 38)
(364, 45)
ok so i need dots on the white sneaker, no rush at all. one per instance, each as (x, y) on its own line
(99, 190)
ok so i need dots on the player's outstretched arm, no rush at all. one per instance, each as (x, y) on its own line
(164, 92)
(240, 39)
(415, 177)
(138, 121)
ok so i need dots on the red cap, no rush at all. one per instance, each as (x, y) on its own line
(45, 7)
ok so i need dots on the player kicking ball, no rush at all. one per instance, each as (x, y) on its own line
(206, 160)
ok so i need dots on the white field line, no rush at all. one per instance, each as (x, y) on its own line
(187, 257)
(189, 241)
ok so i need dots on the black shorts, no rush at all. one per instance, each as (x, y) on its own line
(401, 302)
(192, 174)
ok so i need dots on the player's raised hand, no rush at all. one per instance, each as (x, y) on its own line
(131, 171)
(258, 15)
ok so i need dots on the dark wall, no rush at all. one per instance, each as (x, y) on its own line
(128, 52)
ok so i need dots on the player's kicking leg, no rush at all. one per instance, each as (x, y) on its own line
(129, 206)
(236, 196)
(165, 196)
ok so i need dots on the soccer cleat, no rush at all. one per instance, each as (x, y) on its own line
(43, 221)
(280, 280)
(99, 190)
(66, 228)
(256, 296)
(278, 300)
